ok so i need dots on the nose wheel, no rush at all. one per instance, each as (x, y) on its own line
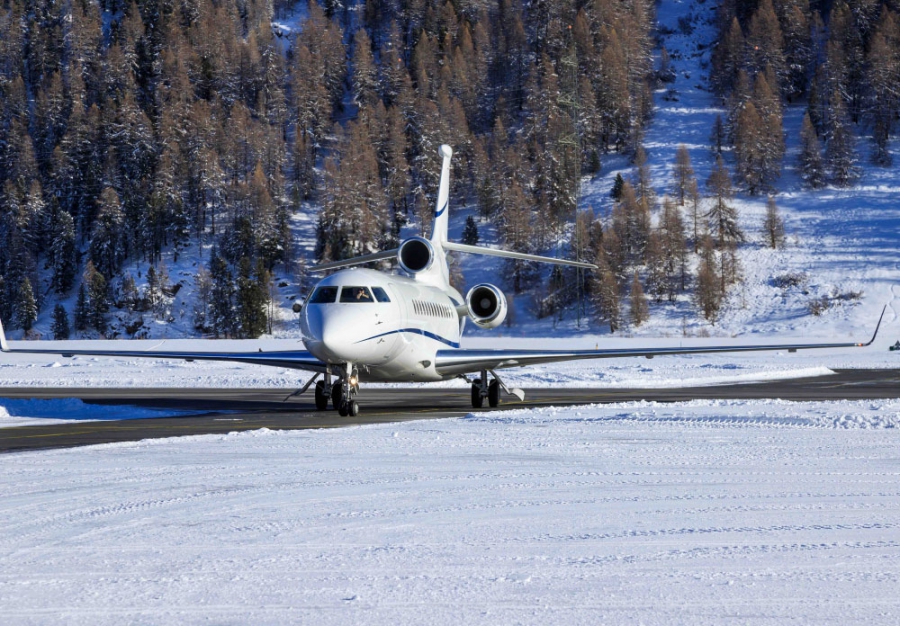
(343, 390)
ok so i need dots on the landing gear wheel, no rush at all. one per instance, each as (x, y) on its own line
(337, 396)
(344, 409)
(352, 408)
(477, 398)
(321, 398)
(494, 393)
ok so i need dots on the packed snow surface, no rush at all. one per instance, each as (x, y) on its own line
(688, 513)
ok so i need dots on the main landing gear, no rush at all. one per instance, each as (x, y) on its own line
(341, 392)
(482, 389)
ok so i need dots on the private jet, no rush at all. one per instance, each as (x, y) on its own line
(363, 325)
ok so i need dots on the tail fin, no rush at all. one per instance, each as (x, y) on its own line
(439, 235)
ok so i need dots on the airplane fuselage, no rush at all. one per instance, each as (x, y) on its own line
(389, 326)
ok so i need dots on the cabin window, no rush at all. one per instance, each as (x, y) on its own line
(324, 295)
(380, 294)
(356, 294)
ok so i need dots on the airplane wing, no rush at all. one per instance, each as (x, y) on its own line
(454, 362)
(289, 359)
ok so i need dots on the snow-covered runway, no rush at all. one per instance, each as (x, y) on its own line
(703, 512)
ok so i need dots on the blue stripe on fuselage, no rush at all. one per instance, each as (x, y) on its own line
(416, 331)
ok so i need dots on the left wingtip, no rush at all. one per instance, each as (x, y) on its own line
(875, 334)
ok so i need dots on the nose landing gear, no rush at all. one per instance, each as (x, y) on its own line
(341, 392)
(344, 390)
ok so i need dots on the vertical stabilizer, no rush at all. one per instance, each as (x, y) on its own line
(439, 235)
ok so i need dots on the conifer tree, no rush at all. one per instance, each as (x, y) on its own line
(722, 216)
(773, 225)
(718, 137)
(708, 295)
(223, 319)
(82, 311)
(695, 211)
(639, 312)
(682, 172)
(618, 184)
(812, 168)
(154, 289)
(840, 154)
(62, 254)
(727, 58)
(203, 286)
(365, 72)
(26, 308)
(656, 268)
(60, 327)
(764, 44)
(107, 245)
(674, 253)
(605, 292)
(470, 232)
(98, 298)
(251, 301)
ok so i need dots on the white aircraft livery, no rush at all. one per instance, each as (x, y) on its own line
(366, 325)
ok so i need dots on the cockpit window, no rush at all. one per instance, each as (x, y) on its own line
(324, 295)
(356, 294)
(380, 294)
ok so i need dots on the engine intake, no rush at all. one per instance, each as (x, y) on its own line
(487, 305)
(415, 255)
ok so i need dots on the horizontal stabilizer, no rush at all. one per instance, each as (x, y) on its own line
(357, 260)
(461, 247)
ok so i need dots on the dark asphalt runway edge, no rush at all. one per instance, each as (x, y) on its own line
(225, 410)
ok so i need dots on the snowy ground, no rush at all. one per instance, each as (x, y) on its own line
(697, 513)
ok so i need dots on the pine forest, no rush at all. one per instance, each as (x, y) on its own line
(137, 134)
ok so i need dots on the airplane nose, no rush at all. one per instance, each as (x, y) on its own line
(337, 341)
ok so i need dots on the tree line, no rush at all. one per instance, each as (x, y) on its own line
(130, 128)
(841, 58)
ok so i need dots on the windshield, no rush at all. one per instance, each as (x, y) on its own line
(356, 294)
(380, 294)
(324, 295)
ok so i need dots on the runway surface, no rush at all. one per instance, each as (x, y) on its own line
(226, 410)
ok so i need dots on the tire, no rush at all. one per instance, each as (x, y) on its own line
(353, 408)
(321, 398)
(344, 409)
(477, 398)
(494, 393)
(337, 396)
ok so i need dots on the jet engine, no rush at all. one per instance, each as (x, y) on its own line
(487, 305)
(415, 255)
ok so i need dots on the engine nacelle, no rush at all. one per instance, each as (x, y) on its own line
(415, 255)
(487, 305)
